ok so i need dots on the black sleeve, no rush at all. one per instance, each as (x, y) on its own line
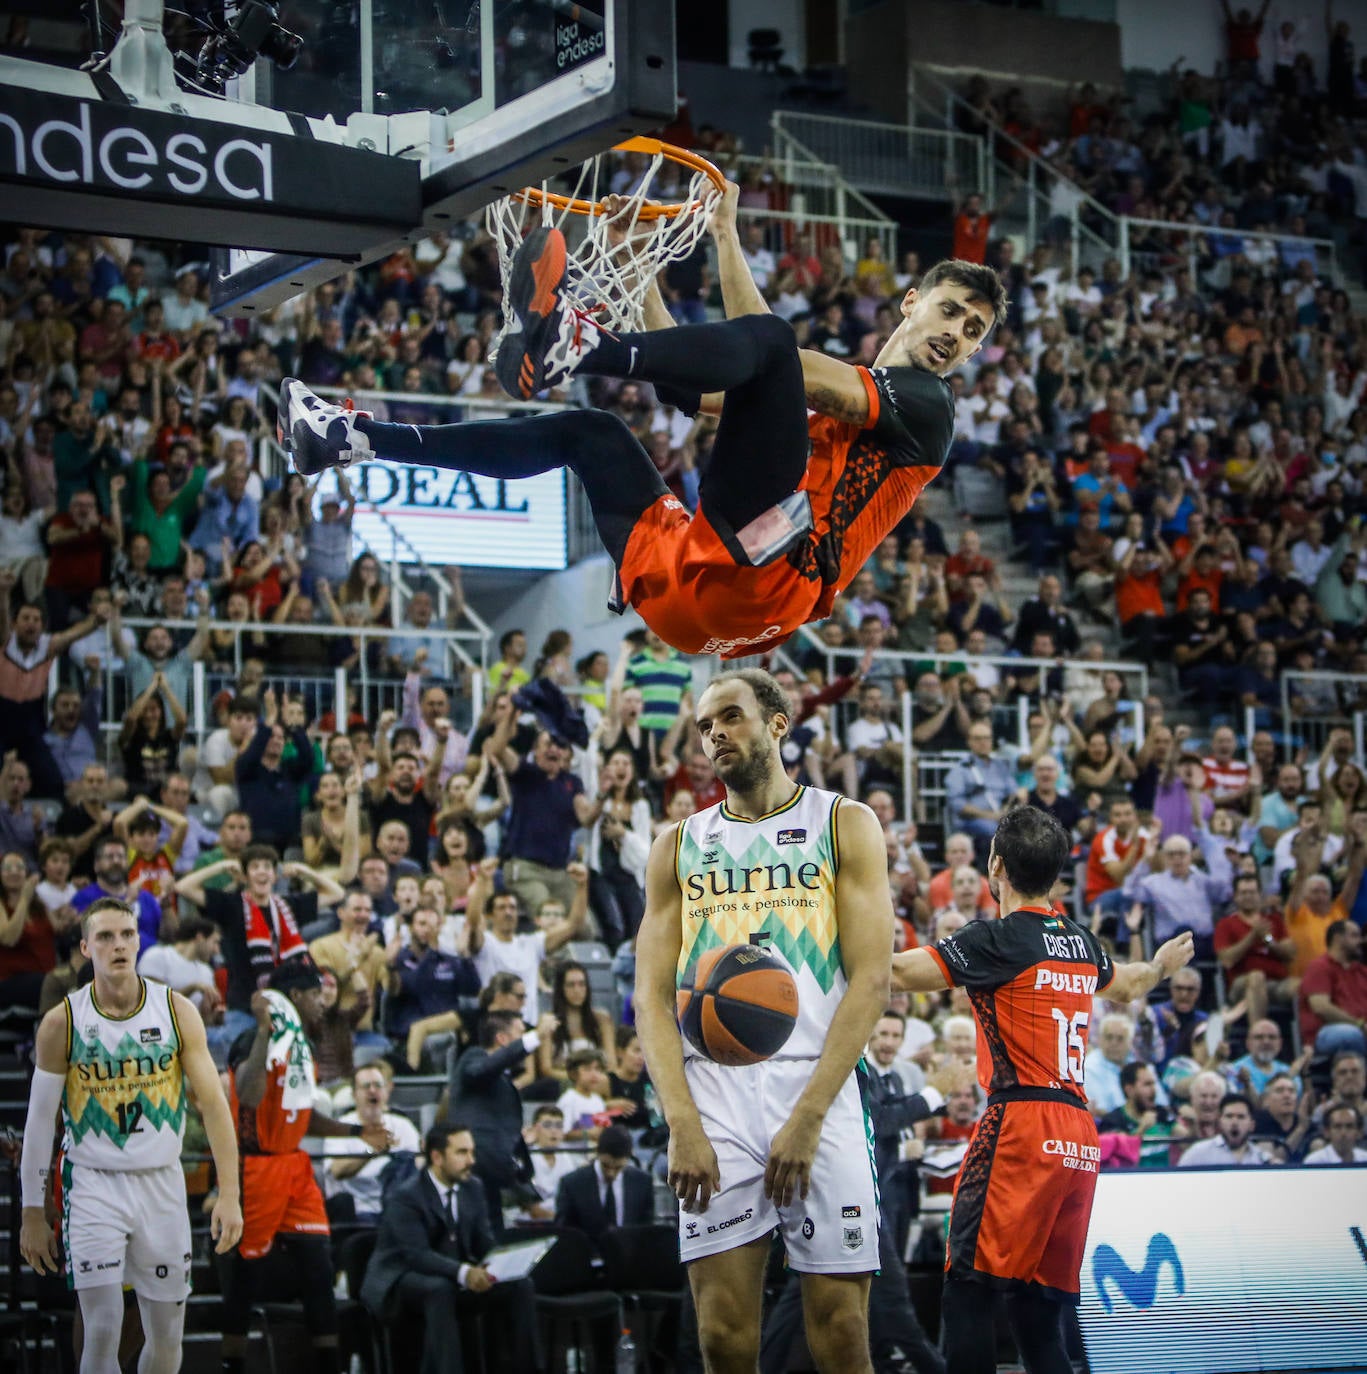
(403, 1230)
(1105, 966)
(986, 954)
(895, 1117)
(915, 418)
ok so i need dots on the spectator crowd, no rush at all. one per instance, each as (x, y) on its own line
(1184, 462)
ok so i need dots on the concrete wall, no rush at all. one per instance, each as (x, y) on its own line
(1154, 33)
(956, 39)
(787, 16)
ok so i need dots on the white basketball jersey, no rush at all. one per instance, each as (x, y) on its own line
(770, 882)
(124, 1102)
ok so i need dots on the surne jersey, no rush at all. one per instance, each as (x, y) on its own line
(123, 1106)
(1031, 978)
(769, 882)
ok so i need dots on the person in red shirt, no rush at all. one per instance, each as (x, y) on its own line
(1114, 852)
(1202, 573)
(1227, 778)
(1334, 994)
(1255, 951)
(696, 776)
(1024, 1195)
(966, 560)
(1242, 32)
(791, 505)
(973, 224)
(271, 1091)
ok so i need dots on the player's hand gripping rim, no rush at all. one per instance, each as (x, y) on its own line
(225, 1224)
(694, 1175)
(788, 1172)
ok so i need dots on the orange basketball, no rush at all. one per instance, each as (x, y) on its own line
(737, 1004)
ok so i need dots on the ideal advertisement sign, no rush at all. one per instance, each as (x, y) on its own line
(456, 517)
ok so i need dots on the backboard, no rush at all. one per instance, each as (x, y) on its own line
(486, 95)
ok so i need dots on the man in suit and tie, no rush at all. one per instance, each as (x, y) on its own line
(609, 1192)
(482, 1094)
(434, 1234)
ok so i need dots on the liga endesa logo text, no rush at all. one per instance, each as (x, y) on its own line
(120, 149)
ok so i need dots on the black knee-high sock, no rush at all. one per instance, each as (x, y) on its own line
(520, 447)
(693, 357)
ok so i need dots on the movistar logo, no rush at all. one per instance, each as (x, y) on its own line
(1140, 1287)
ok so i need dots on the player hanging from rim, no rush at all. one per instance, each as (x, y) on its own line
(783, 1143)
(116, 1055)
(1023, 1197)
(791, 506)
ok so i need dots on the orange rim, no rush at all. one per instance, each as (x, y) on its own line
(534, 196)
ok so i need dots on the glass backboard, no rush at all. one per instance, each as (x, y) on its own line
(489, 96)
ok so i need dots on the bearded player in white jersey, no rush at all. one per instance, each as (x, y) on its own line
(115, 1056)
(783, 1144)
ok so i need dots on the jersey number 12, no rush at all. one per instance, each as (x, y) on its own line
(130, 1113)
(1071, 1049)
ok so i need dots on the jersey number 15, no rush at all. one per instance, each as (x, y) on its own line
(1071, 1047)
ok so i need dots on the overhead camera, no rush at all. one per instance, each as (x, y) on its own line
(234, 44)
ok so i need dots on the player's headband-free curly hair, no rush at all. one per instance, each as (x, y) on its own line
(773, 700)
(974, 277)
(1033, 848)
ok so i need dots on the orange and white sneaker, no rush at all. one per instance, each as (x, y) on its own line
(318, 434)
(549, 336)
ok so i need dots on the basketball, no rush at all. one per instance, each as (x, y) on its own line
(737, 1004)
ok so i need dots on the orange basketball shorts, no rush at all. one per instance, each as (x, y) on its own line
(279, 1197)
(1023, 1198)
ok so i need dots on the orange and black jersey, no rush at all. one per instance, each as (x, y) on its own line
(1031, 978)
(862, 480)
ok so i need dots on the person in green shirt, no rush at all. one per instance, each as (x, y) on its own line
(234, 835)
(508, 674)
(1142, 1115)
(664, 678)
(161, 515)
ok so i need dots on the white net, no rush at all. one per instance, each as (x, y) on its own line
(612, 262)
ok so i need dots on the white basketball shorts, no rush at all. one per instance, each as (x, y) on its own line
(127, 1227)
(834, 1230)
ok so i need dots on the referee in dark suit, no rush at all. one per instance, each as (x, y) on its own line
(433, 1237)
(609, 1192)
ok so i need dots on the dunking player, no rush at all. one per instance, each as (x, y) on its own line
(781, 1144)
(116, 1055)
(791, 506)
(1024, 1193)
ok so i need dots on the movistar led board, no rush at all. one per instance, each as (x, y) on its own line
(1218, 1271)
(407, 511)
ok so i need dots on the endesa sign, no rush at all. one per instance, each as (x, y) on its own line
(67, 162)
(1216, 1271)
(446, 517)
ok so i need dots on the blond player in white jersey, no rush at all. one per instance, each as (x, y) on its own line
(783, 1144)
(115, 1056)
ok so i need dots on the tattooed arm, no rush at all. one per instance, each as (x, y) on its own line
(835, 388)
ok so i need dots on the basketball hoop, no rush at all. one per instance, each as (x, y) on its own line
(612, 262)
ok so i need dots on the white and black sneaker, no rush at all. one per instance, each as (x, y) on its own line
(548, 336)
(317, 434)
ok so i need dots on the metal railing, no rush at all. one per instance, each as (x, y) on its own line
(1194, 243)
(1095, 231)
(809, 193)
(377, 690)
(897, 159)
(1343, 704)
(1052, 202)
